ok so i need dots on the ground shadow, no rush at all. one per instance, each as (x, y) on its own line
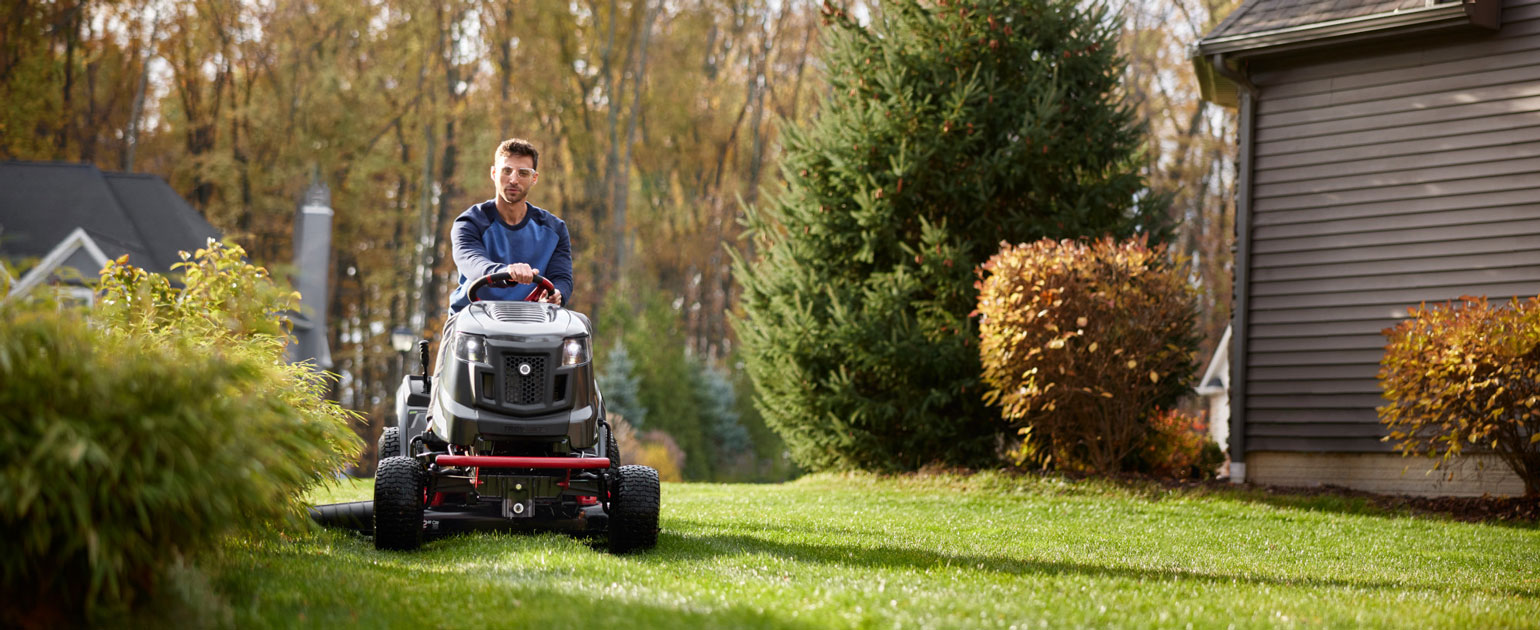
(1509, 512)
(674, 546)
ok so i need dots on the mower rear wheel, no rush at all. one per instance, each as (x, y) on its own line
(390, 443)
(399, 483)
(611, 448)
(634, 509)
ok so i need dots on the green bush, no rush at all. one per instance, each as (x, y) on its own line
(1466, 376)
(1082, 344)
(948, 127)
(140, 432)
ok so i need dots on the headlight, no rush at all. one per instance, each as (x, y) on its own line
(471, 347)
(574, 351)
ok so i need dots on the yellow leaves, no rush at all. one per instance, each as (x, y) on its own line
(1534, 438)
(1154, 376)
(1055, 344)
(1081, 322)
(1132, 364)
(1093, 347)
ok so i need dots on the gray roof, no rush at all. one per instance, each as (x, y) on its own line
(1260, 16)
(41, 203)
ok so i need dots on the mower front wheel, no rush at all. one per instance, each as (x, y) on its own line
(399, 483)
(634, 509)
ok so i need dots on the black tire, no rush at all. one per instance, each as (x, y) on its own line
(399, 483)
(390, 443)
(611, 448)
(634, 509)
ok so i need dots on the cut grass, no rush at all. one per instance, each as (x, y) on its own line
(941, 551)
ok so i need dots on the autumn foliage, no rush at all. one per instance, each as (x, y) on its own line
(1082, 344)
(1463, 376)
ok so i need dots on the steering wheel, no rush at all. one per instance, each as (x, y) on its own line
(503, 279)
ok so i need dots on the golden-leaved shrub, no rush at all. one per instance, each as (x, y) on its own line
(1082, 343)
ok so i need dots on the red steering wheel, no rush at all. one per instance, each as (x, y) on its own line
(503, 279)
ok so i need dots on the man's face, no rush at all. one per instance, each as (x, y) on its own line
(512, 187)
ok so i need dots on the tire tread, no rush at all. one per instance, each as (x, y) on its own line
(398, 488)
(634, 510)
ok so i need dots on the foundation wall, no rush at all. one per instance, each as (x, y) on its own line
(1385, 473)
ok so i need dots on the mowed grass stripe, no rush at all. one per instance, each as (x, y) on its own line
(984, 551)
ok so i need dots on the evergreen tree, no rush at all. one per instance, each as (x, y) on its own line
(949, 128)
(718, 404)
(621, 387)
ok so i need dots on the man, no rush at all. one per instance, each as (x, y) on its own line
(507, 233)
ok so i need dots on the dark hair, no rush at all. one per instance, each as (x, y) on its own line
(517, 146)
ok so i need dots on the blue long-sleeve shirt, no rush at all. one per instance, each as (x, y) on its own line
(485, 244)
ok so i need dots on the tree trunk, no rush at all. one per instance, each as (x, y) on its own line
(622, 183)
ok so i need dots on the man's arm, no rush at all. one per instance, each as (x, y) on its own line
(470, 251)
(559, 272)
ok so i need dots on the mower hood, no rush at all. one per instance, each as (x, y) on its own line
(520, 321)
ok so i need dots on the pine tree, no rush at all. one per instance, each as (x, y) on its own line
(621, 387)
(949, 128)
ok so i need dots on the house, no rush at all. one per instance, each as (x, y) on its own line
(1389, 155)
(73, 218)
(60, 223)
(1214, 387)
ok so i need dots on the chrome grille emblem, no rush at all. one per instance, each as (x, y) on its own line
(524, 369)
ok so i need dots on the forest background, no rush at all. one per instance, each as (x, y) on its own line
(657, 122)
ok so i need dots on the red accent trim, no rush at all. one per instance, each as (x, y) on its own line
(501, 461)
(587, 500)
(542, 288)
(438, 499)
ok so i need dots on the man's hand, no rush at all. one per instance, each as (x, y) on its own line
(552, 297)
(522, 273)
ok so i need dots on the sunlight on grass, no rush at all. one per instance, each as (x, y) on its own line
(986, 551)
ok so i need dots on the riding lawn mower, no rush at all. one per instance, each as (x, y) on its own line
(508, 434)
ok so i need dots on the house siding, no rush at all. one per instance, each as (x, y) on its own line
(1381, 177)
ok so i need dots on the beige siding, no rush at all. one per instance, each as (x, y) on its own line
(1383, 177)
(1385, 473)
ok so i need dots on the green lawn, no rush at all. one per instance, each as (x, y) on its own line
(936, 552)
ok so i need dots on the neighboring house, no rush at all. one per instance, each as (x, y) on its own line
(1389, 155)
(72, 218)
(1215, 390)
(63, 222)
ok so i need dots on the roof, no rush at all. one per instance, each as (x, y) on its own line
(1258, 16)
(43, 203)
(1259, 28)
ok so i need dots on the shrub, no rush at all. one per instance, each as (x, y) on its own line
(1082, 343)
(1466, 376)
(1177, 446)
(652, 448)
(138, 434)
(947, 128)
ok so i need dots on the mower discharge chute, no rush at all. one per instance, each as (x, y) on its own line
(510, 433)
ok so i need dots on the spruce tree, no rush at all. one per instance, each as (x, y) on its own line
(718, 404)
(621, 387)
(949, 127)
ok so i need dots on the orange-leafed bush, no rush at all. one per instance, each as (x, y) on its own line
(1466, 376)
(1082, 343)
(1177, 446)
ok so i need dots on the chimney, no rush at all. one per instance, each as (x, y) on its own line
(312, 263)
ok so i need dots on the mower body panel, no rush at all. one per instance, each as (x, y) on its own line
(412, 405)
(519, 390)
